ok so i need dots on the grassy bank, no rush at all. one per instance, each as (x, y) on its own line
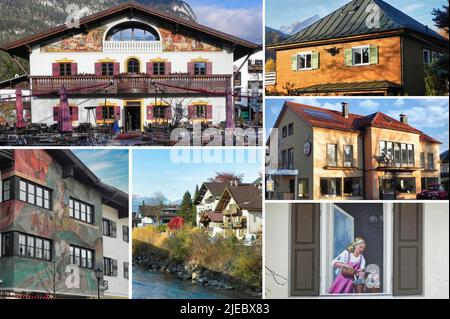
(193, 247)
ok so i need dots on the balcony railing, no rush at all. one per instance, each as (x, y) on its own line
(132, 46)
(144, 84)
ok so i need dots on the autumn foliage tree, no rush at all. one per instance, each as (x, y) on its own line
(227, 178)
(176, 223)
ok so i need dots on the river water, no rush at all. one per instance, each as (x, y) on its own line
(154, 285)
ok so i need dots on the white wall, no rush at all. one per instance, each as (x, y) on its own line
(118, 249)
(276, 230)
(245, 75)
(42, 108)
(436, 247)
(254, 222)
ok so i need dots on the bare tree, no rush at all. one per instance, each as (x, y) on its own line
(49, 277)
(158, 202)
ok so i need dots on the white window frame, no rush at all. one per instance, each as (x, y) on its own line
(361, 47)
(298, 59)
(326, 254)
(429, 56)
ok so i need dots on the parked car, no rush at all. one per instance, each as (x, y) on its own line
(434, 191)
(249, 239)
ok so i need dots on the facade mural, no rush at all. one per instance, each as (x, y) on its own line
(183, 43)
(20, 272)
(92, 42)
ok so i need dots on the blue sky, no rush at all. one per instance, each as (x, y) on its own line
(111, 166)
(286, 12)
(430, 115)
(157, 171)
(236, 17)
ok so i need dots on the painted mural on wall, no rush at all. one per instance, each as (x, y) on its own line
(175, 42)
(357, 249)
(91, 42)
(33, 274)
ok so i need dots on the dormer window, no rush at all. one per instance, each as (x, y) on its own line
(132, 31)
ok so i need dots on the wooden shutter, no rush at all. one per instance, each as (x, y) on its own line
(99, 113)
(55, 113)
(116, 68)
(149, 112)
(98, 69)
(294, 62)
(408, 257)
(209, 68)
(150, 68)
(191, 111)
(117, 112)
(305, 250)
(373, 50)
(209, 112)
(168, 68)
(114, 268)
(113, 229)
(74, 113)
(168, 112)
(55, 69)
(190, 68)
(348, 55)
(315, 60)
(74, 68)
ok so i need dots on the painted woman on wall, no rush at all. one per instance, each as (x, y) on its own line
(350, 265)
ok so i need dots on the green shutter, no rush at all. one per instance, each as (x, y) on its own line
(315, 60)
(348, 57)
(373, 54)
(294, 62)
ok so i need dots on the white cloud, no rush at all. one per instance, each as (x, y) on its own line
(243, 23)
(369, 104)
(97, 167)
(433, 116)
(399, 102)
(412, 7)
(332, 106)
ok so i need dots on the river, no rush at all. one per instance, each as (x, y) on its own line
(153, 285)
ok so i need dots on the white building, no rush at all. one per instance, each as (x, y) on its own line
(134, 64)
(409, 242)
(248, 82)
(208, 197)
(116, 247)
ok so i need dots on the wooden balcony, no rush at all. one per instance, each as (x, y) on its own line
(128, 83)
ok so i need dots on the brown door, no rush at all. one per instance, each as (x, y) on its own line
(305, 250)
(408, 250)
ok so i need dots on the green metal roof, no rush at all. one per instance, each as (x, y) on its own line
(350, 20)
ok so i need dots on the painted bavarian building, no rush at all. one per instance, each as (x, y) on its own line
(133, 63)
(317, 153)
(51, 214)
(366, 47)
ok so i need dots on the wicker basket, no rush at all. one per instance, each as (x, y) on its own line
(348, 272)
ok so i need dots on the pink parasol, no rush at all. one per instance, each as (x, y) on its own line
(20, 123)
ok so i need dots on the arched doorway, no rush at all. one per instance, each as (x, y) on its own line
(133, 66)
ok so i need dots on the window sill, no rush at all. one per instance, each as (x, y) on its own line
(363, 64)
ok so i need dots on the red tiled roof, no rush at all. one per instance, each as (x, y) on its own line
(331, 119)
(428, 139)
(215, 217)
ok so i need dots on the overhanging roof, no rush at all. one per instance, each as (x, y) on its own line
(349, 87)
(351, 20)
(21, 47)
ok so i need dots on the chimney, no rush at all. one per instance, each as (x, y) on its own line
(404, 118)
(345, 109)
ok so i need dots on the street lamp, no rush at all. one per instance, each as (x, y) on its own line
(98, 275)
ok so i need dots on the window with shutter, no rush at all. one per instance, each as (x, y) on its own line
(408, 249)
(294, 62)
(305, 249)
(373, 54)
